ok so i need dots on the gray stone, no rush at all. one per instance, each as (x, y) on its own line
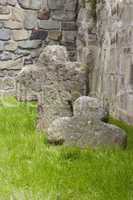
(8, 83)
(63, 15)
(30, 4)
(4, 34)
(6, 56)
(11, 65)
(112, 81)
(62, 4)
(30, 20)
(85, 129)
(69, 37)
(49, 25)
(29, 44)
(68, 26)
(13, 24)
(11, 46)
(19, 35)
(4, 10)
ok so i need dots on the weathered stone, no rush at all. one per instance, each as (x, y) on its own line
(4, 34)
(19, 35)
(22, 52)
(63, 15)
(90, 107)
(29, 44)
(18, 14)
(68, 26)
(13, 24)
(62, 5)
(6, 13)
(30, 20)
(69, 36)
(11, 46)
(8, 83)
(12, 64)
(30, 4)
(49, 25)
(38, 34)
(54, 35)
(6, 56)
(112, 80)
(4, 10)
(57, 4)
(85, 129)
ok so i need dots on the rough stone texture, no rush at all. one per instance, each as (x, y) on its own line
(26, 26)
(113, 81)
(55, 81)
(87, 39)
(85, 128)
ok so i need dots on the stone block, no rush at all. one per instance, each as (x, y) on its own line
(4, 10)
(11, 46)
(5, 56)
(22, 52)
(13, 24)
(70, 5)
(30, 4)
(5, 34)
(68, 26)
(19, 35)
(62, 15)
(49, 24)
(38, 34)
(18, 14)
(29, 44)
(6, 13)
(54, 35)
(8, 83)
(30, 20)
(56, 4)
(11, 65)
(69, 36)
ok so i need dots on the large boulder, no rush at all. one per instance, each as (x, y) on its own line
(86, 128)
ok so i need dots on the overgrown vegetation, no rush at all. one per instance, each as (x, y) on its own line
(30, 169)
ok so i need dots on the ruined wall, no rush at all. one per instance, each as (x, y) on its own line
(113, 80)
(26, 27)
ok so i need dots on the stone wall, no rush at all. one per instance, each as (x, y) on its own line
(113, 81)
(27, 26)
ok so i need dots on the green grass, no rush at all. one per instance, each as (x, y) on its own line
(30, 169)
